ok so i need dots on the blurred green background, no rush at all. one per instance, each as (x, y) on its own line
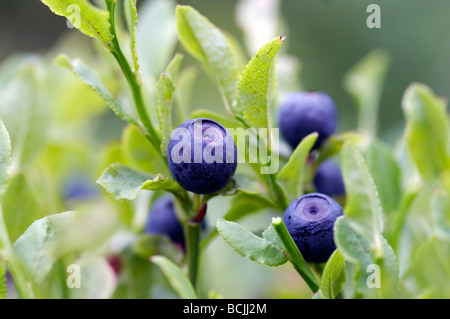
(327, 36)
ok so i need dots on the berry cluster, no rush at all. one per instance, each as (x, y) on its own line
(309, 218)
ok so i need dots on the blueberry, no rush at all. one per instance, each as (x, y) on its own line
(202, 156)
(310, 220)
(79, 188)
(162, 220)
(328, 179)
(302, 113)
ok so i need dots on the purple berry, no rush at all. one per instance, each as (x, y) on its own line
(202, 156)
(302, 113)
(328, 179)
(162, 220)
(310, 221)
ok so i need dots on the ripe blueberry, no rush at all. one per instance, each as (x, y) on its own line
(162, 220)
(310, 220)
(302, 113)
(328, 179)
(202, 156)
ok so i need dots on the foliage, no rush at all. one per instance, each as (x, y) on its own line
(56, 125)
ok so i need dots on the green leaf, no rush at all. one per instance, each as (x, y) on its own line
(183, 95)
(364, 83)
(90, 229)
(363, 207)
(427, 130)
(14, 64)
(125, 183)
(254, 83)
(290, 176)
(132, 20)
(97, 281)
(93, 80)
(357, 250)
(162, 182)
(139, 153)
(242, 204)
(24, 110)
(334, 144)
(5, 158)
(84, 16)
(226, 121)
(247, 244)
(176, 277)
(156, 36)
(440, 214)
(386, 174)
(73, 104)
(270, 234)
(333, 276)
(21, 206)
(210, 46)
(3, 289)
(351, 244)
(122, 182)
(429, 269)
(35, 247)
(165, 88)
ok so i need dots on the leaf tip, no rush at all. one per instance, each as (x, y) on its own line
(282, 38)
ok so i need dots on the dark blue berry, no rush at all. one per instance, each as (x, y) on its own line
(328, 179)
(302, 113)
(202, 156)
(162, 220)
(310, 221)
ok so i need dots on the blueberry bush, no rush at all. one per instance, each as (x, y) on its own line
(312, 212)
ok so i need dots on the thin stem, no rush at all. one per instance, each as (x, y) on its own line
(196, 202)
(133, 82)
(193, 249)
(295, 257)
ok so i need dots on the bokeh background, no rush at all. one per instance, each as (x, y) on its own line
(325, 37)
